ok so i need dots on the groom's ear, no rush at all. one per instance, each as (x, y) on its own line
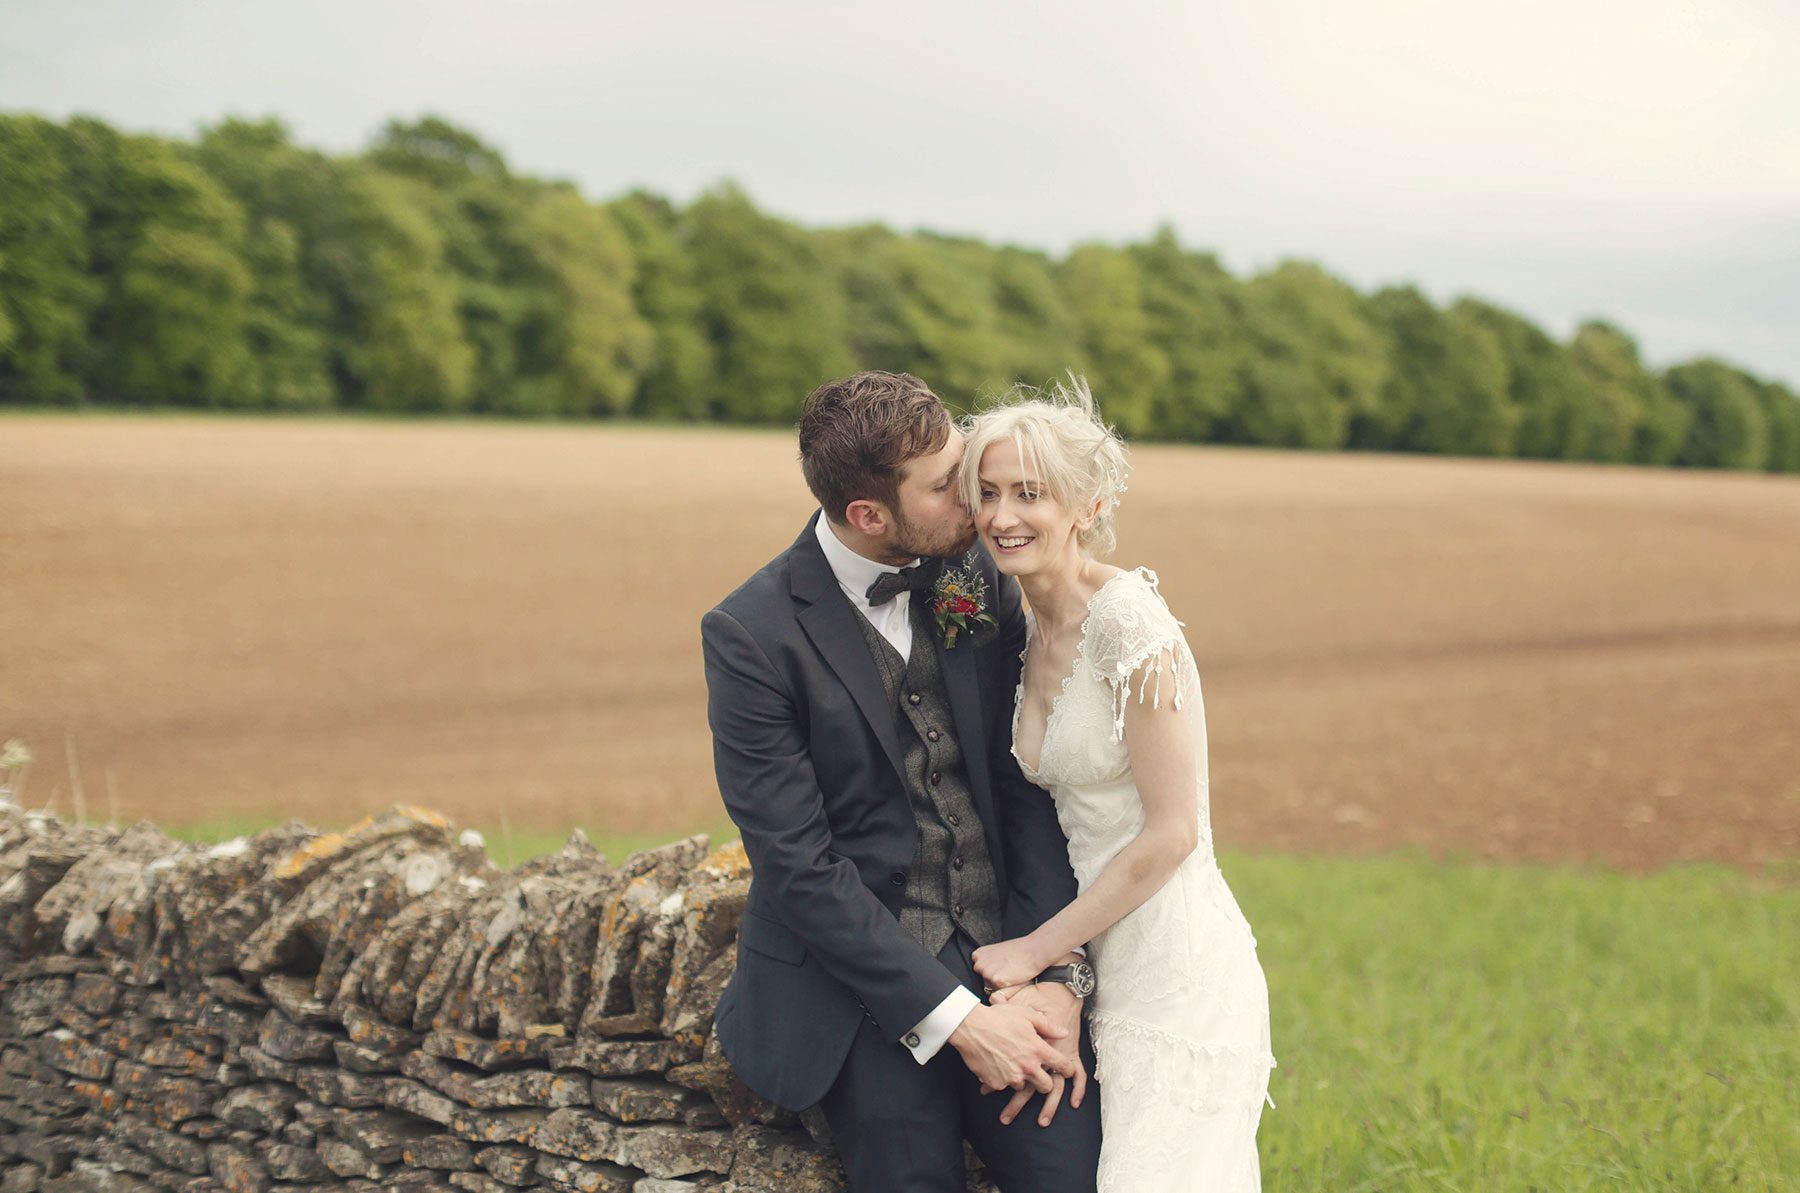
(867, 517)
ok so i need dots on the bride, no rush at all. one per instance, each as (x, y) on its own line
(1109, 720)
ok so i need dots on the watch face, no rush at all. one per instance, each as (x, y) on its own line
(1081, 979)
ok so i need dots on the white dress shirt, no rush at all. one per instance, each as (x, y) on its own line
(893, 621)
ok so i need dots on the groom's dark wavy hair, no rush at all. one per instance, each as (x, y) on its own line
(857, 434)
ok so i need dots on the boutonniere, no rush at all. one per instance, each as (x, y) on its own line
(959, 602)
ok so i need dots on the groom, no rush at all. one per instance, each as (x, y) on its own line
(869, 768)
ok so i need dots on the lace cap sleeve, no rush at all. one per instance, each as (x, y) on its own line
(1130, 626)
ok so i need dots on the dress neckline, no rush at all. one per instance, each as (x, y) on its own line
(1087, 615)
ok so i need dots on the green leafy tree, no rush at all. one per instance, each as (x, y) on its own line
(1781, 410)
(399, 340)
(169, 244)
(923, 305)
(480, 211)
(1604, 426)
(1447, 391)
(285, 321)
(1129, 373)
(583, 345)
(1315, 363)
(1194, 313)
(1034, 321)
(1729, 427)
(677, 378)
(770, 310)
(46, 295)
(1542, 384)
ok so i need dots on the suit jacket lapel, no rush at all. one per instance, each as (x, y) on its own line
(831, 624)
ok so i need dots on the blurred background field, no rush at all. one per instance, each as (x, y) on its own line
(229, 617)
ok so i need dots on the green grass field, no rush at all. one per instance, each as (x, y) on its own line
(1446, 1026)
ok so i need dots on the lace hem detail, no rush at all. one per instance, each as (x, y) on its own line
(1156, 1067)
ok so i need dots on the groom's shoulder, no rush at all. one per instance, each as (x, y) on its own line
(759, 591)
(764, 595)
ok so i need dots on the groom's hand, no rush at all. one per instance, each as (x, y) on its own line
(1062, 1008)
(1013, 1047)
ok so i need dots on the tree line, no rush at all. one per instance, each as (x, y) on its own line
(241, 270)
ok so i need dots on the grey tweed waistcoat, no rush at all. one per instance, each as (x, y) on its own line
(952, 882)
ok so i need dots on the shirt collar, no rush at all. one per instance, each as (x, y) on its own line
(854, 572)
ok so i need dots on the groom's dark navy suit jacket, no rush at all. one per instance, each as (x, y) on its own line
(809, 762)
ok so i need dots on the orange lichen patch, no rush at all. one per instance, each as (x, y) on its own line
(726, 862)
(422, 815)
(322, 846)
(534, 1030)
(370, 829)
(100, 1096)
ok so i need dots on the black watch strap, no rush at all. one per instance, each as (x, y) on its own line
(1078, 977)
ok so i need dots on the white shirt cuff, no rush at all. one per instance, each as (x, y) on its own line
(928, 1037)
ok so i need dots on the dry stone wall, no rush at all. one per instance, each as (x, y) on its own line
(381, 1008)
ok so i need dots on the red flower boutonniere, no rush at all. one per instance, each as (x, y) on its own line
(959, 602)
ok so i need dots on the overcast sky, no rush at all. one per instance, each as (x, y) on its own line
(1632, 159)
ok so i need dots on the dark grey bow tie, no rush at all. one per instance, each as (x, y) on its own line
(889, 585)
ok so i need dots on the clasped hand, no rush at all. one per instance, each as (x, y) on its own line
(1020, 1046)
(1010, 963)
(1008, 968)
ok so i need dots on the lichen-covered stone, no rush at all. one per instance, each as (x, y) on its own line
(173, 1150)
(439, 1151)
(509, 1163)
(237, 1170)
(284, 1039)
(620, 1058)
(373, 1010)
(587, 1178)
(266, 1107)
(293, 997)
(786, 1160)
(636, 1100)
(346, 1159)
(492, 1055)
(293, 1164)
(576, 1134)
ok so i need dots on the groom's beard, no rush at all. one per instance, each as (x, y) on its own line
(949, 542)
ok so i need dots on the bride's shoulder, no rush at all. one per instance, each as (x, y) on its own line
(1127, 617)
(1127, 590)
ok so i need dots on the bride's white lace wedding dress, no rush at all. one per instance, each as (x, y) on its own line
(1180, 1022)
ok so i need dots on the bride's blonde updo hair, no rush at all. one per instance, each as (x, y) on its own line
(1064, 444)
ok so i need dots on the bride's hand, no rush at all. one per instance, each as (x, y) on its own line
(1009, 963)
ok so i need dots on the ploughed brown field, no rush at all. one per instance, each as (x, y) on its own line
(238, 618)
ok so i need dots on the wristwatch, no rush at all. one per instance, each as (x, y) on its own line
(1079, 977)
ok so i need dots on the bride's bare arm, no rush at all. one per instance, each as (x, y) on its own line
(1164, 764)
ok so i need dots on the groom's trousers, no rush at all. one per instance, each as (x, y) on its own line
(899, 1126)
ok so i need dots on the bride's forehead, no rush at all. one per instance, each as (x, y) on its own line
(1002, 461)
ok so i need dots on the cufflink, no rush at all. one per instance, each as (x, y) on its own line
(912, 1039)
